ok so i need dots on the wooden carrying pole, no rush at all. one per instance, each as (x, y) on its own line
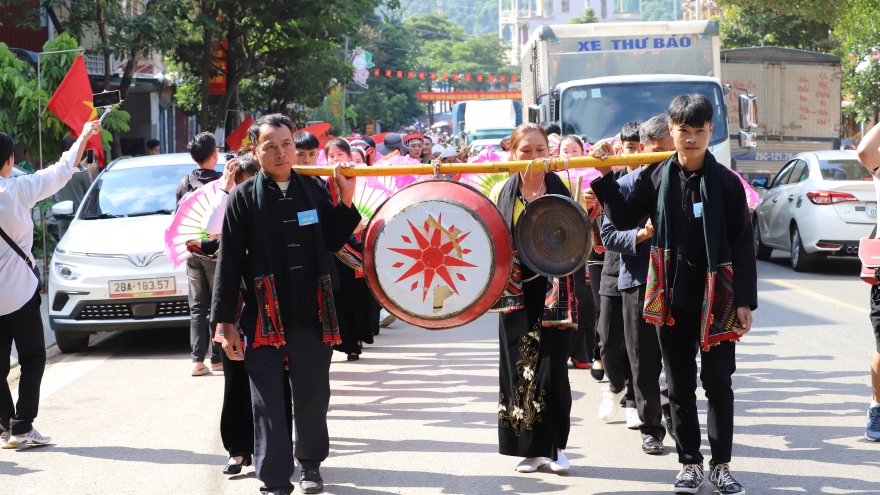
(549, 164)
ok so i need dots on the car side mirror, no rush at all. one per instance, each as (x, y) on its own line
(537, 113)
(748, 139)
(760, 183)
(748, 112)
(63, 210)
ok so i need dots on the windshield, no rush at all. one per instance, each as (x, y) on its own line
(135, 191)
(844, 170)
(596, 112)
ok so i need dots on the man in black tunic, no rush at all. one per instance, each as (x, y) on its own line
(279, 231)
(702, 281)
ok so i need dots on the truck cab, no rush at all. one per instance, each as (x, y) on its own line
(597, 108)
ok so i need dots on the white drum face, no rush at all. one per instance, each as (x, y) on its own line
(434, 259)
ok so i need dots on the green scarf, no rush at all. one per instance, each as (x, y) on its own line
(270, 328)
(718, 313)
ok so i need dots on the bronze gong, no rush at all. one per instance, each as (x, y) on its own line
(553, 236)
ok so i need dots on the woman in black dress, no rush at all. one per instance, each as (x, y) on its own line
(362, 314)
(534, 409)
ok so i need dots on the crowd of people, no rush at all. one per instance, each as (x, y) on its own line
(281, 285)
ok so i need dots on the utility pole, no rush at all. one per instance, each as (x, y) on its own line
(439, 7)
(342, 119)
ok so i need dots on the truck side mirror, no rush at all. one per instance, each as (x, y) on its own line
(748, 112)
(537, 113)
(63, 210)
(748, 139)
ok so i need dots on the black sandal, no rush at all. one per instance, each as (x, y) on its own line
(353, 357)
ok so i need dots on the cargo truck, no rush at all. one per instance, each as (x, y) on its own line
(593, 78)
(800, 100)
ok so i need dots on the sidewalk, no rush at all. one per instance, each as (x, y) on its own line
(47, 332)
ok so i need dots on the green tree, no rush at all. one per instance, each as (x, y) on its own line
(855, 28)
(261, 37)
(474, 16)
(589, 17)
(743, 27)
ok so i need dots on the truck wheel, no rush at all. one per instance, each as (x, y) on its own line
(762, 252)
(69, 342)
(800, 260)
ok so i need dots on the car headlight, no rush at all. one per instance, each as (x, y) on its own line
(67, 272)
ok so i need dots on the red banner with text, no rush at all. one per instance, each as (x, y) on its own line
(429, 96)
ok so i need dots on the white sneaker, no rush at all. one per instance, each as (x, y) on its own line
(561, 464)
(32, 437)
(4, 438)
(386, 318)
(531, 464)
(632, 418)
(610, 403)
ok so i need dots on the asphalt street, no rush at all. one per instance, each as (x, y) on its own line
(417, 413)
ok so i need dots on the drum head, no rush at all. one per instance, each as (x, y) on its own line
(437, 254)
(553, 236)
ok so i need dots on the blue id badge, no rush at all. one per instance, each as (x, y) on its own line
(307, 217)
(698, 210)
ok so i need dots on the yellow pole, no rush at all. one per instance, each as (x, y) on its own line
(555, 164)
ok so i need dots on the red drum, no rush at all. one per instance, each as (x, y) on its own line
(437, 254)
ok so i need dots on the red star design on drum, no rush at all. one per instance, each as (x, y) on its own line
(433, 256)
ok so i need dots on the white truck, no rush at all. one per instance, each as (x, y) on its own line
(593, 78)
(799, 94)
(486, 121)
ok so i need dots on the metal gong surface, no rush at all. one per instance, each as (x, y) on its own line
(553, 236)
(437, 254)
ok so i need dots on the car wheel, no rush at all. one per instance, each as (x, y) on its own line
(800, 260)
(762, 252)
(69, 342)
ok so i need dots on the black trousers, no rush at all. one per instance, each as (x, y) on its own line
(611, 343)
(25, 328)
(583, 341)
(645, 361)
(309, 380)
(595, 276)
(680, 344)
(237, 416)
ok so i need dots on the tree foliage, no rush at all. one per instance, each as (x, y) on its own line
(589, 17)
(473, 16)
(747, 26)
(855, 30)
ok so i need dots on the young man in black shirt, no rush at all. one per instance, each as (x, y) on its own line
(702, 250)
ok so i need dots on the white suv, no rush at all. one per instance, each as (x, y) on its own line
(109, 272)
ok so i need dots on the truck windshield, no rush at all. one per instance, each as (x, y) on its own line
(596, 112)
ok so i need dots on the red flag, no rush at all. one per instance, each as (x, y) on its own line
(491, 77)
(479, 78)
(400, 74)
(433, 76)
(503, 78)
(376, 72)
(409, 74)
(239, 138)
(455, 77)
(387, 73)
(422, 76)
(513, 79)
(467, 77)
(72, 103)
(445, 77)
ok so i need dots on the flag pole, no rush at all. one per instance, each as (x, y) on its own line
(546, 164)
(40, 112)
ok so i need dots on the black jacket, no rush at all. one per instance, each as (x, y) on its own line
(293, 255)
(688, 269)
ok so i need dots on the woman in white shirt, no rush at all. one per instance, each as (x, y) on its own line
(20, 319)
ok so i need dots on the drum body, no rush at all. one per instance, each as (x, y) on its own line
(437, 254)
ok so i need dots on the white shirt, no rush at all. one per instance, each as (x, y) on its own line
(877, 190)
(17, 197)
